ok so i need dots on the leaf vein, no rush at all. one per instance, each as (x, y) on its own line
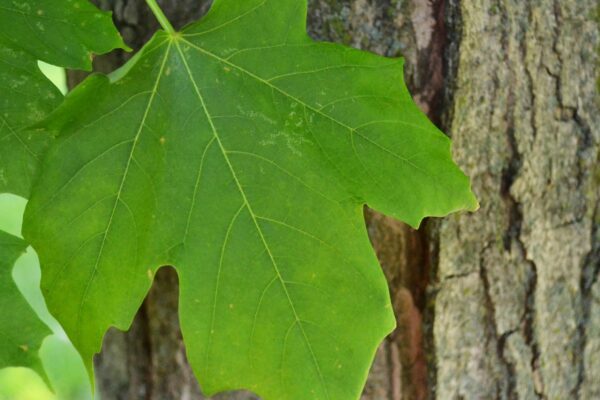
(218, 282)
(229, 22)
(119, 192)
(253, 215)
(196, 188)
(296, 99)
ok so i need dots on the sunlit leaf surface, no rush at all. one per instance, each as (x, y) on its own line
(241, 152)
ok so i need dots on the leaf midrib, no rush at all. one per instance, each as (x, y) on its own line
(253, 215)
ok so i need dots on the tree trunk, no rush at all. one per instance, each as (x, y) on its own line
(502, 303)
(517, 295)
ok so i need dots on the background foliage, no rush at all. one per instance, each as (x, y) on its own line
(61, 361)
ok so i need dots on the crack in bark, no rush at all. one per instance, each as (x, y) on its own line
(499, 339)
(586, 141)
(513, 236)
(432, 232)
(146, 339)
(451, 22)
(459, 275)
(590, 275)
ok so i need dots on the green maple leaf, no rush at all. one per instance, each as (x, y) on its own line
(21, 331)
(241, 152)
(58, 32)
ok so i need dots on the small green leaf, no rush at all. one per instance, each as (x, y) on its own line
(58, 32)
(26, 97)
(241, 152)
(21, 331)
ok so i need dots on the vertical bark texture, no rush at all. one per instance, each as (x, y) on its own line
(517, 305)
(500, 304)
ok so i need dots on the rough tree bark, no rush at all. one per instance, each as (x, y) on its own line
(500, 304)
(517, 304)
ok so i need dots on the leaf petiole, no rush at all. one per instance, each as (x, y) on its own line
(160, 16)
